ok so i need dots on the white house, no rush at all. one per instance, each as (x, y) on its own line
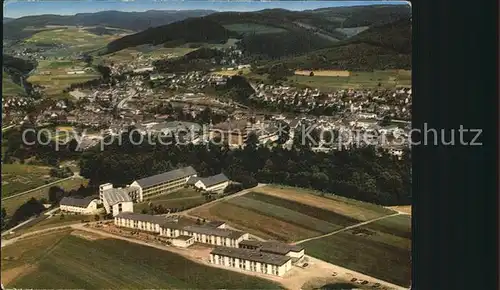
(216, 183)
(117, 200)
(86, 206)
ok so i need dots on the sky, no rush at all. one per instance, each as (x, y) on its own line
(15, 9)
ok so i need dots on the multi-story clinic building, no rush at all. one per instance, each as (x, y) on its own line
(159, 184)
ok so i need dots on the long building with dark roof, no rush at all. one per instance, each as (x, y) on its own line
(211, 233)
(274, 247)
(163, 183)
(251, 260)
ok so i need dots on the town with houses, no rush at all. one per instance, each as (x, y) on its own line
(297, 200)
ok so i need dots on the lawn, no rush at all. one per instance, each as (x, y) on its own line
(356, 80)
(14, 203)
(76, 263)
(17, 178)
(384, 253)
(181, 199)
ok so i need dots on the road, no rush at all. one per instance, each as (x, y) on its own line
(75, 175)
(47, 213)
(346, 228)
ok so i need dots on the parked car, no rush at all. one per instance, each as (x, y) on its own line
(376, 285)
(305, 265)
(364, 282)
(334, 274)
(354, 280)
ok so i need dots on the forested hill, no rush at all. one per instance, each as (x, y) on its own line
(135, 21)
(188, 30)
(387, 46)
(371, 15)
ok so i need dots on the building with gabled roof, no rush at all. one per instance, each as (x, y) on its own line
(87, 205)
(163, 183)
(116, 200)
(216, 183)
(274, 247)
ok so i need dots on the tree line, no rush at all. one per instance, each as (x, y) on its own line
(366, 173)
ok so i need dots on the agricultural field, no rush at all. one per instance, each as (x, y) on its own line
(74, 262)
(355, 80)
(144, 52)
(9, 87)
(56, 75)
(17, 178)
(14, 203)
(381, 249)
(249, 28)
(289, 214)
(181, 199)
(78, 39)
(324, 73)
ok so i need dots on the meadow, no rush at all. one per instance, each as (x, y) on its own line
(289, 214)
(381, 249)
(73, 262)
(17, 178)
(355, 80)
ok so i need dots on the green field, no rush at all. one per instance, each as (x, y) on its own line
(356, 80)
(181, 199)
(382, 254)
(78, 38)
(245, 28)
(76, 263)
(288, 214)
(9, 87)
(14, 203)
(17, 178)
(53, 75)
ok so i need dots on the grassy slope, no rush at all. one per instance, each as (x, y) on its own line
(9, 87)
(384, 254)
(99, 264)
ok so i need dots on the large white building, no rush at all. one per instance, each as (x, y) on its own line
(86, 206)
(211, 233)
(251, 260)
(160, 184)
(117, 200)
(216, 183)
